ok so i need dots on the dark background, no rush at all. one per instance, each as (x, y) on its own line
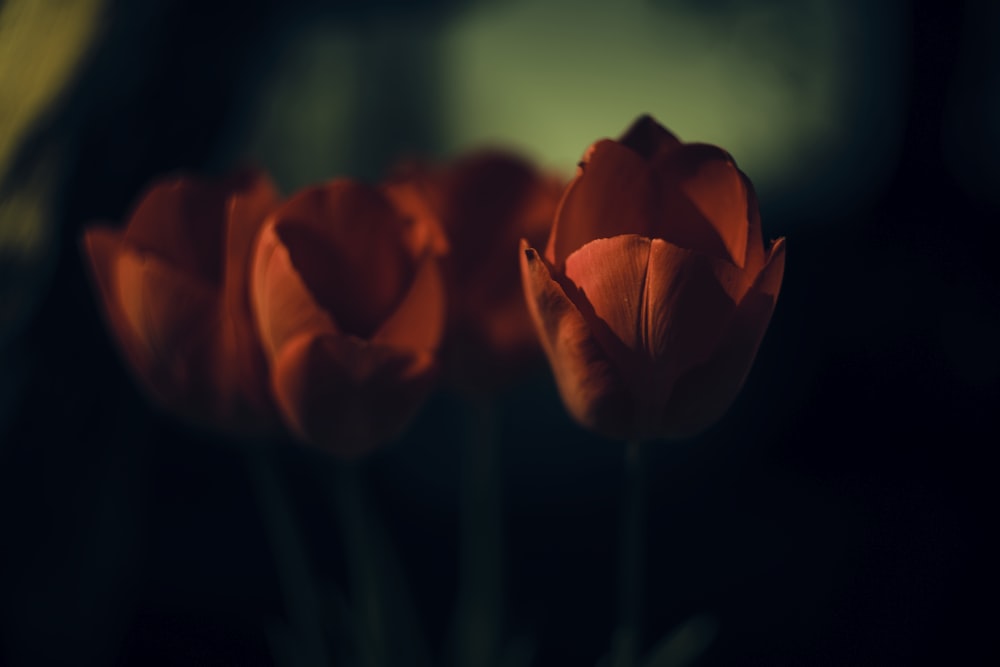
(838, 514)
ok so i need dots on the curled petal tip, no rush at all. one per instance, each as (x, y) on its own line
(770, 277)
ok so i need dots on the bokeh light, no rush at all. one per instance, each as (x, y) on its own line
(806, 95)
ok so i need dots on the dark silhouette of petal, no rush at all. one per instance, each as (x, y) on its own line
(690, 299)
(705, 392)
(649, 139)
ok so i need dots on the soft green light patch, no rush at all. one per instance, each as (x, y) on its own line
(550, 75)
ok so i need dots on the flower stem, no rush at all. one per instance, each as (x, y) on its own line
(303, 643)
(366, 584)
(479, 606)
(630, 564)
(388, 630)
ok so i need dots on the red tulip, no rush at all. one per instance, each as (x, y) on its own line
(486, 202)
(656, 288)
(349, 303)
(174, 289)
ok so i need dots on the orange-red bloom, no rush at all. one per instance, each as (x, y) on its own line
(655, 289)
(174, 289)
(486, 202)
(350, 308)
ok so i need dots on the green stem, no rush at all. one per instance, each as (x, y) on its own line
(363, 571)
(306, 644)
(389, 629)
(479, 606)
(626, 641)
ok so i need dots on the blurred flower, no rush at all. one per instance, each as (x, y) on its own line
(173, 285)
(486, 202)
(349, 303)
(656, 288)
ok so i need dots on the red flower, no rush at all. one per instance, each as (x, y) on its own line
(174, 289)
(350, 308)
(486, 202)
(656, 288)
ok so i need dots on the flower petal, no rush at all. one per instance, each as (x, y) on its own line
(486, 202)
(755, 256)
(408, 191)
(173, 318)
(649, 139)
(248, 207)
(689, 301)
(769, 280)
(589, 384)
(347, 395)
(282, 304)
(246, 211)
(703, 394)
(613, 194)
(347, 242)
(703, 202)
(418, 323)
(103, 247)
(180, 221)
(610, 276)
(656, 309)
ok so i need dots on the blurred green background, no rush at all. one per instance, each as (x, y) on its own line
(837, 515)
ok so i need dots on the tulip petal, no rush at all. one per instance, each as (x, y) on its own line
(769, 280)
(246, 211)
(174, 288)
(173, 318)
(690, 299)
(656, 309)
(487, 201)
(589, 384)
(103, 247)
(178, 221)
(649, 139)
(325, 229)
(610, 276)
(485, 197)
(755, 257)
(613, 194)
(254, 196)
(424, 233)
(418, 323)
(703, 394)
(283, 305)
(347, 395)
(703, 202)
